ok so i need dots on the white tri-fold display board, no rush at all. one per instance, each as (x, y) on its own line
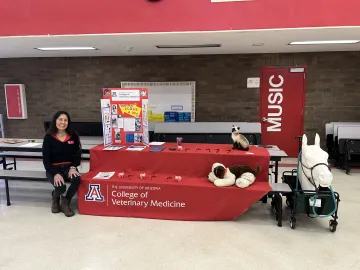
(168, 101)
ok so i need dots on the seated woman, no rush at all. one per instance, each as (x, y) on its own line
(61, 157)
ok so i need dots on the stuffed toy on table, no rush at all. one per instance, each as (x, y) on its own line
(239, 141)
(240, 175)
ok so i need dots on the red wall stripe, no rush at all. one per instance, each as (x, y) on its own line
(42, 17)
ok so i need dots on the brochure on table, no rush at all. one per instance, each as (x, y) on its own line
(128, 116)
(104, 175)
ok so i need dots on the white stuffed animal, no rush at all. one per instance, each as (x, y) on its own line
(241, 176)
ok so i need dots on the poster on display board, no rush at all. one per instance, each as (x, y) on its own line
(106, 116)
(128, 115)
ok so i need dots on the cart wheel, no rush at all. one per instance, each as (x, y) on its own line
(332, 225)
(287, 202)
(292, 223)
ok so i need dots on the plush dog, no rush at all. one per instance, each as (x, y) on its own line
(241, 176)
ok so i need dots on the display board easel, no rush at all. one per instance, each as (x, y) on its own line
(128, 117)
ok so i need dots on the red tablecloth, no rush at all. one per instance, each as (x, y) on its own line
(195, 160)
(191, 199)
(194, 198)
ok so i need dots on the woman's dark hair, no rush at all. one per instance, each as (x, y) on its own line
(53, 128)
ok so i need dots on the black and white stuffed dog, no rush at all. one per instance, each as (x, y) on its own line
(239, 141)
(240, 175)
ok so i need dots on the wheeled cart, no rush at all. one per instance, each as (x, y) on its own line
(320, 203)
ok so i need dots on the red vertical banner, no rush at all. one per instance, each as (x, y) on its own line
(15, 101)
(282, 101)
(129, 117)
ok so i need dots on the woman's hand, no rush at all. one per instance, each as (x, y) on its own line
(58, 180)
(73, 173)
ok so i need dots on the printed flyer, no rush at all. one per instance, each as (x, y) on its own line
(129, 116)
(105, 113)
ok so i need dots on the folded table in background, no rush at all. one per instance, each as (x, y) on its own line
(35, 145)
(159, 195)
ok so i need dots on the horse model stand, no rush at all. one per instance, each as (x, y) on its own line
(311, 185)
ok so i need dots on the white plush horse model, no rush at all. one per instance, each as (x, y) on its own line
(314, 167)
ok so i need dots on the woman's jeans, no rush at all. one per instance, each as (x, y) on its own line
(74, 182)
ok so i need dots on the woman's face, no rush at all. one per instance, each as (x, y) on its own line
(62, 122)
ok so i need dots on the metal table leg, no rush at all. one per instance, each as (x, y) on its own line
(279, 209)
(7, 192)
(276, 171)
(4, 163)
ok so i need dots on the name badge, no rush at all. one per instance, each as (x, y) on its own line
(70, 142)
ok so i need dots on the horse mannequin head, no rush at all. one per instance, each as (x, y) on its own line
(314, 167)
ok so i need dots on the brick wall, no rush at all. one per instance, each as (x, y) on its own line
(74, 84)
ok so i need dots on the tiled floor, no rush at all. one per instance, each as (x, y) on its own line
(31, 237)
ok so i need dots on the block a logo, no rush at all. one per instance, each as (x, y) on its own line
(94, 193)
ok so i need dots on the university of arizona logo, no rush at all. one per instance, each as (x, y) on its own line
(94, 193)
